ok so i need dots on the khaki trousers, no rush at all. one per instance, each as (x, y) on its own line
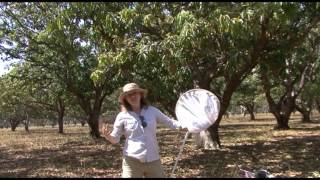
(132, 167)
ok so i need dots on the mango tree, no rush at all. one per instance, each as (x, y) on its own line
(247, 95)
(308, 97)
(45, 91)
(66, 40)
(214, 46)
(14, 107)
(288, 70)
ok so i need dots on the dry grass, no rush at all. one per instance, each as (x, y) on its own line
(251, 144)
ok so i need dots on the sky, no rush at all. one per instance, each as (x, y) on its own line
(3, 67)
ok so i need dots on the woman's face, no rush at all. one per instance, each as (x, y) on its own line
(133, 99)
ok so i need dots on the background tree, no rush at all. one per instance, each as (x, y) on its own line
(67, 40)
(44, 90)
(14, 107)
(304, 103)
(247, 95)
(289, 71)
(307, 99)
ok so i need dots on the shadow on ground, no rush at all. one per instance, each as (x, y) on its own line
(291, 156)
(279, 157)
(75, 159)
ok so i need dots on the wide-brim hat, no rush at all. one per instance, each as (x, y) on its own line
(131, 87)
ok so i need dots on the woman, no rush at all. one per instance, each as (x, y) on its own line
(138, 122)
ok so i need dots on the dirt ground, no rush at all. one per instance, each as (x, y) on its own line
(249, 144)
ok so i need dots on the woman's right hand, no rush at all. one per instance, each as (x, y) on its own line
(105, 130)
(106, 133)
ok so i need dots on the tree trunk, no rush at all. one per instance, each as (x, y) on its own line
(285, 106)
(282, 123)
(282, 113)
(252, 117)
(170, 108)
(61, 110)
(53, 123)
(92, 111)
(250, 109)
(43, 123)
(93, 123)
(13, 128)
(14, 124)
(203, 139)
(60, 121)
(214, 132)
(282, 110)
(26, 124)
(318, 105)
(306, 117)
(305, 114)
(224, 103)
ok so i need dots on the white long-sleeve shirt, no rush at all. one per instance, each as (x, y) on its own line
(141, 143)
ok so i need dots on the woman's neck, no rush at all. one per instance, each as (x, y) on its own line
(136, 109)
